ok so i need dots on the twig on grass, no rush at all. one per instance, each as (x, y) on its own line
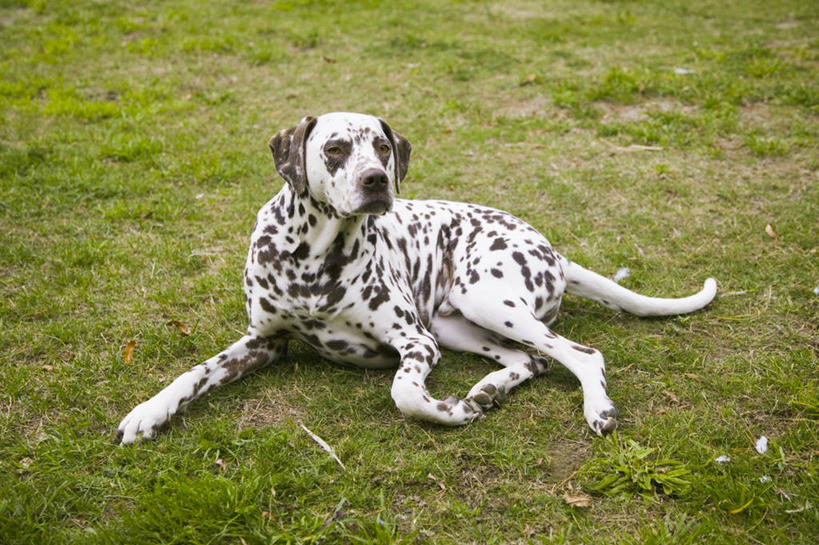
(562, 483)
(732, 293)
(323, 444)
(632, 147)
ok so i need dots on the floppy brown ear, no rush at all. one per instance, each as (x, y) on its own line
(288, 153)
(401, 153)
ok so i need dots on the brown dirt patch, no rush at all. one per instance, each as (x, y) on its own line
(755, 113)
(565, 458)
(271, 407)
(536, 106)
(633, 113)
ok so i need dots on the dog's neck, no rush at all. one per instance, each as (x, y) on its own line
(317, 233)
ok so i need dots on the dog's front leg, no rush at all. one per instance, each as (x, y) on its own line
(418, 356)
(242, 357)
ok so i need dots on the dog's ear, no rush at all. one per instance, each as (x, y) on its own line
(288, 153)
(401, 153)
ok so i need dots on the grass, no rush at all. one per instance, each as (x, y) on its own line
(133, 160)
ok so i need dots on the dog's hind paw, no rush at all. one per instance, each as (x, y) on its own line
(604, 419)
(488, 397)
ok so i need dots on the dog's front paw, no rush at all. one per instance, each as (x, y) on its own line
(601, 416)
(449, 412)
(142, 421)
(457, 412)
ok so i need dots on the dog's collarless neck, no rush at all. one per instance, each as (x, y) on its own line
(320, 235)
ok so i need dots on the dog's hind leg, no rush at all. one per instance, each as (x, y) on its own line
(484, 306)
(242, 357)
(457, 333)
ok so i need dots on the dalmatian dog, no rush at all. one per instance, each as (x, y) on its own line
(337, 262)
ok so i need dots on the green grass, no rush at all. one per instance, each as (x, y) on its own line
(133, 159)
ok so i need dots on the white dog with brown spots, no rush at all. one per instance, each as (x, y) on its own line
(337, 262)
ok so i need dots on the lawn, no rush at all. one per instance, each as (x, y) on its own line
(676, 138)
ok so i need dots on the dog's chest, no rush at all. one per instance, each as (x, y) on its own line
(342, 320)
(345, 341)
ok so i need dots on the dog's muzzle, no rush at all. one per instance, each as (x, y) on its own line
(374, 188)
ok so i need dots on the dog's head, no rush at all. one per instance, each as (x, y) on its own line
(352, 162)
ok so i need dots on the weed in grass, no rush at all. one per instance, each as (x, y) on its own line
(682, 530)
(807, 400)
(763, 146)
(621, 85)
(628, 468)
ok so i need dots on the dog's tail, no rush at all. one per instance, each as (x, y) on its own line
(591, 285)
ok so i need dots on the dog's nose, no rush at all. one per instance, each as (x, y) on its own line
(373, 179)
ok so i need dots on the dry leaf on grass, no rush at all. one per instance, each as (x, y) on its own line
(129, 351)
(577, 500)
(671, 396)
(437, 481)
(530, 79)
(183, 328)
(770, 231)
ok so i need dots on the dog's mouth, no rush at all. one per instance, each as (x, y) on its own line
(375, 206)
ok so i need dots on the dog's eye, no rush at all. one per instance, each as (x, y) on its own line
(384, 148)
(333, 151)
